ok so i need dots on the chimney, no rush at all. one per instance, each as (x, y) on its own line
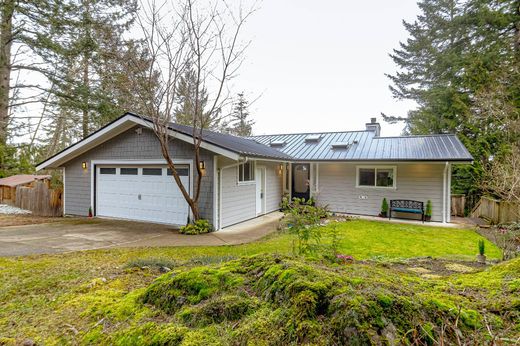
(374, 126)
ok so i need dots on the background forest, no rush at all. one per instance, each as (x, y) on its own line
(67, 67)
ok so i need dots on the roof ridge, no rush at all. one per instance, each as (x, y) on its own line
(307, 133)
(415, 136)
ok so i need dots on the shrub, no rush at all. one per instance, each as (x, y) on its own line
(506, 237)
(198, 227)
(384, 207)
(428, 211)
(481, 247)
(302, 220)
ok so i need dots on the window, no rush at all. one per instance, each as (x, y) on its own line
(128, 171)
(376, 177)
(106, 170)
(246, 172)
(181, 171)
(152, 171)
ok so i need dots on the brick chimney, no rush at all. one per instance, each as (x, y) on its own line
(374, 126)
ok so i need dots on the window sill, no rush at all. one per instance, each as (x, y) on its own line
(245, 183)
(377, 187)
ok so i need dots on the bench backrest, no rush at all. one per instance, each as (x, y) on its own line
(408, 204)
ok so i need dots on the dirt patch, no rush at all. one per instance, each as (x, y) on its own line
(20, 220)
(434, 268)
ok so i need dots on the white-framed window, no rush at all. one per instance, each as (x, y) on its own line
(246, 172)
(376, 176)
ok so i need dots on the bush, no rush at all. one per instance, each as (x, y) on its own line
(506, 237)
(481, 247)
(384, 207)
(198, 227)
(302, 219)
(428, 211)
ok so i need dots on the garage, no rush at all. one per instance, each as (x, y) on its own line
(143, 193)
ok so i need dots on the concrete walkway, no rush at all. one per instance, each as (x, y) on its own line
(78, 234)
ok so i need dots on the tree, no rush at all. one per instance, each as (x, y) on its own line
(178, 38)
(240, 124)
(184, 112)
(452, 65)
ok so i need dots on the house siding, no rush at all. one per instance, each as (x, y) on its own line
(131, 146)
(337, 188)
(239, 200)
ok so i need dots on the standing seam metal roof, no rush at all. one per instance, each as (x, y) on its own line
(365, 146)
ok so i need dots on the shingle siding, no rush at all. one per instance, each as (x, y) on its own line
(131, 146)
(421, 182)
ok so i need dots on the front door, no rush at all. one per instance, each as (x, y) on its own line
(301, 181)
(260, 189)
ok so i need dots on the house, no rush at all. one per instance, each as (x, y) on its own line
(8, 185)
(118, 171)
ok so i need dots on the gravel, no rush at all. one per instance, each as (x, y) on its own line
(9, 209)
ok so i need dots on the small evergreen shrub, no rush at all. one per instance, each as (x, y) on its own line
(198, 227)
(384, 207)
(428, 211)
(481, 247)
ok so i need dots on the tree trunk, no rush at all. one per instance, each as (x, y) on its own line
(6, 37)
(86, 61)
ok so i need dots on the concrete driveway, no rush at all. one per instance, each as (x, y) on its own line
(76, 234)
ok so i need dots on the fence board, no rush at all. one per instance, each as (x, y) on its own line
(40, 199)
(496, 211)
(458, 205)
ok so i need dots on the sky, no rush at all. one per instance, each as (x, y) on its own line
(320, 65)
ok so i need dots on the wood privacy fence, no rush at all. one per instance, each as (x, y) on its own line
(458, 205)
(496, 211)
(40, 199)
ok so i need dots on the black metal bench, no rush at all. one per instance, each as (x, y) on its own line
(406, 206)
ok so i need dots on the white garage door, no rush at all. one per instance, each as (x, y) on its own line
(141, 193)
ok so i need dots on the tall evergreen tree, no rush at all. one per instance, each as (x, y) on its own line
(454, 57)
(240, 124)
(184, 113)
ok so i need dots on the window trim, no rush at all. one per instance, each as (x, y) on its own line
(376, 167)
(253, 170)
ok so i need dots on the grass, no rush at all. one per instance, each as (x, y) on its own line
(56, 299)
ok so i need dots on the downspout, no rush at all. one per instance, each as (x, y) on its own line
(448, 193)
(220, 189)
(444, 193)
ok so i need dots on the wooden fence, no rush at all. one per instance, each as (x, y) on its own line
(40, 199)
(496, 211)
(458, 205)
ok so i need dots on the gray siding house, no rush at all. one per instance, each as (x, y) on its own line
(119, 172)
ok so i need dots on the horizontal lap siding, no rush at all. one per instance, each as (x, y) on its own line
(238, 201)
(273, 186)
(131, 146)
(337, 188)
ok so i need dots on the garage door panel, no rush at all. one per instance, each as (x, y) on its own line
(146, 197)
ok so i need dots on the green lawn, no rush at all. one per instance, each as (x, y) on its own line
(40, 294)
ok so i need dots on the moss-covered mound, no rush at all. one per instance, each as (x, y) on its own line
(275, 300)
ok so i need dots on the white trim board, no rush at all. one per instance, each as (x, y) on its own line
(119, 126)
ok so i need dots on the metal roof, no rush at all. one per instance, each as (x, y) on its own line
(240, 145)
(365, 146)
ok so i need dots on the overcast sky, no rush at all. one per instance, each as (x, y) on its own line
(320, 65)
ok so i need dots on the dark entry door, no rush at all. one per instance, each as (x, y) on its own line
(301, 180)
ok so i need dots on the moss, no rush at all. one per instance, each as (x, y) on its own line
(149, 334)
(220, 309)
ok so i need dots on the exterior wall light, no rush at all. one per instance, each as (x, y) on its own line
(202, 167)
(84, 165)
